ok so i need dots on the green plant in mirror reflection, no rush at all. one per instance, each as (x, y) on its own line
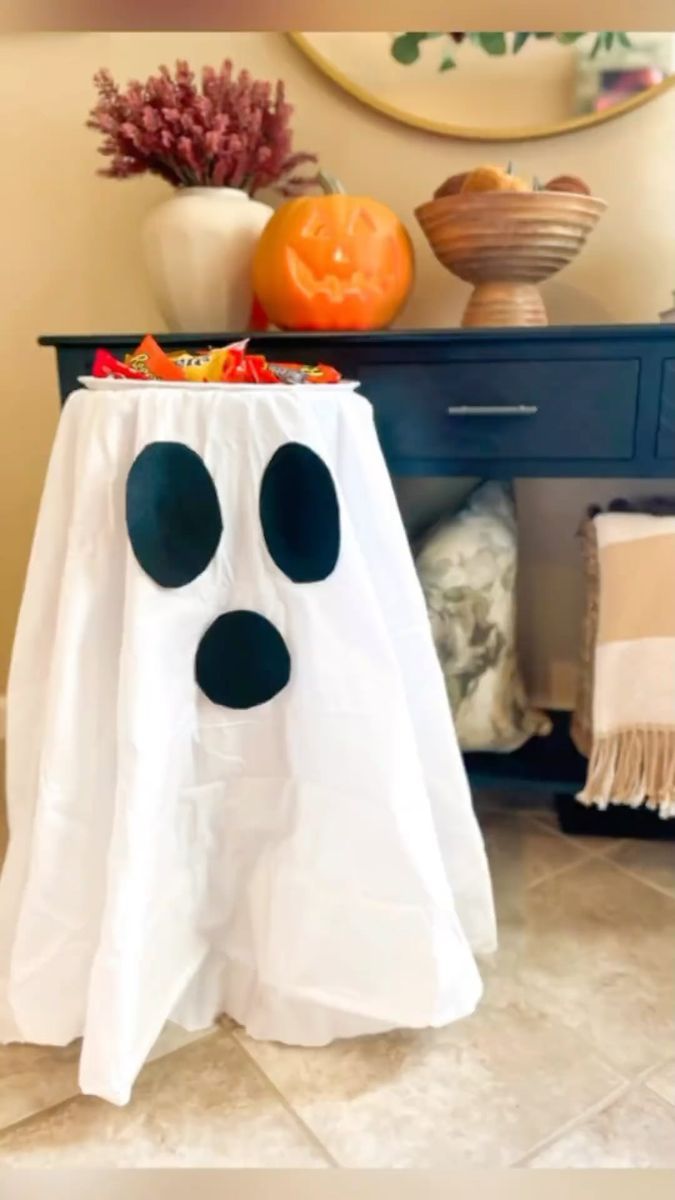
(406, 47)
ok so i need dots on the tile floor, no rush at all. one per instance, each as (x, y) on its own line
(569, 1062)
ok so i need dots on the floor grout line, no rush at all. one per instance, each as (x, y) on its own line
(542, 825)
(592, 855)
(624, 1088)
(232, 1035)
(663, 1103)
(570, 840)
(286, 1104)
(607, 852)
(593, 1110)
(40, 1112)
(656, 887)
(584, 1037)
(79, 1095)
(654, 1070)
(657, 1066)
(556, 871)
(662, 1062)
(585, 856)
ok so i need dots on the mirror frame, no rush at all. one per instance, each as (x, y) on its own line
(466, 132)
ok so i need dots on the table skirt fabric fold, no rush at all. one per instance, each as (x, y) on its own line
(309, 863)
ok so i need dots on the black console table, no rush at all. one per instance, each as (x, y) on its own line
(559, 402)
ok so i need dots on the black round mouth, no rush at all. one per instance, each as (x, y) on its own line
(242, 660)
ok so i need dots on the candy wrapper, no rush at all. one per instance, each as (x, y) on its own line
(106, 366)
(227, 364)
(299, 373)
(151, 360)
(207, 367)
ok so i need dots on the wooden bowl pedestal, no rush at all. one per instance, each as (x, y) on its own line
(505, 244)
(506, 303)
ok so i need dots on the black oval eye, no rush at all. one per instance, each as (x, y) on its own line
(299, 514)
(173, 515)
(242, 660)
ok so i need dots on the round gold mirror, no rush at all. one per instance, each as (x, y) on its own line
(496, 86)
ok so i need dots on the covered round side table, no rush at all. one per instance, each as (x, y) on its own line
(233, 779)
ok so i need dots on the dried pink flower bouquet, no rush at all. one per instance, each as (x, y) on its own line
(226, 131)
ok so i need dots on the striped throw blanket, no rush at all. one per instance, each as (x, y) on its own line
(632, 622)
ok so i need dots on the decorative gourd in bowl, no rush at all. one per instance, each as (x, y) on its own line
(506, 240)
(333, 262)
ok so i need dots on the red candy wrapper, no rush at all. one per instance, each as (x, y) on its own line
(106, 366)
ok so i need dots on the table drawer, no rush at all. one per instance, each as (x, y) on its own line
(505, 409)
(665, 442)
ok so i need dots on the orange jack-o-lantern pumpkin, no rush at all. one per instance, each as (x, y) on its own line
(333, 262)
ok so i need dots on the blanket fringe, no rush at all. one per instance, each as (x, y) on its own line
(633, 767)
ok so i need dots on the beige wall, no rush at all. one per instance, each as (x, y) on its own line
(71, 260)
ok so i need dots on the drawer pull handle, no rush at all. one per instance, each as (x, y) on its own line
(493, 410)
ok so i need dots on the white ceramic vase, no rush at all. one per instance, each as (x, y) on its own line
(199, 247)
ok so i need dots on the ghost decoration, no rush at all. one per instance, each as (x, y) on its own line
(234, 784)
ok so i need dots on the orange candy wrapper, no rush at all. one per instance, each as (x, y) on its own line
(228, 364)
(151, 360)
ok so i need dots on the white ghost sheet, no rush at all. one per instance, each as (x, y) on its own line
(233, 779)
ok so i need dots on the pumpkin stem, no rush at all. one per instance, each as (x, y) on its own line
(329, 185)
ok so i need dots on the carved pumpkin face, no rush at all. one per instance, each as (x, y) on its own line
(333, 262)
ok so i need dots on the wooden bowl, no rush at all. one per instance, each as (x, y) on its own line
(505, 244)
